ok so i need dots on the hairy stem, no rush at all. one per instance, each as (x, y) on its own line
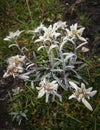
(63, 67)
(22, 51)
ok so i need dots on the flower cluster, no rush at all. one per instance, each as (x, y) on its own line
(15, 65)
(48, 88)
(60, 43)
(13, 35)
(74, 33)
(82, 93)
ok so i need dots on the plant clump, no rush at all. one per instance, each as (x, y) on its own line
(61, 45)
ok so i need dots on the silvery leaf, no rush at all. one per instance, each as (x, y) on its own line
(73, 85)
(87, 104)
(82, 66)
(40, 48)
(69, 67)
(79, 62)
(68, 56)
(52, 47)
(13, 45)
(59, 82)
(57, 59)
(81, 45)
(58, 95)
(24, 48)
(62, 45)
(30, 65)
(70, 40)
(57, 70)
(56, 64)
(23, 115)
(32, 84)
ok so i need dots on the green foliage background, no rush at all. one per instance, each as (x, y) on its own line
(68, 115)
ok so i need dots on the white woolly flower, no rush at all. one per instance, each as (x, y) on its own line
(39, 29)
(75, 33)
(13, 35)
(12, 69)
(82, 93)
(18, 59)
(60, 25)
(48, 88)
(15, 65)
(49, 34)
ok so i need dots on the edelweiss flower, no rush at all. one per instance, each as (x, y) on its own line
(13, 35)
(49, 34)
(48, 88)
(40, 28)
(18, 59)
(15, 65)
(60, 25)
(75, 33)
(82, 93)
(12, 69)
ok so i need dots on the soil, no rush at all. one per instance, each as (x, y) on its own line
(72, 7)
(6, 86)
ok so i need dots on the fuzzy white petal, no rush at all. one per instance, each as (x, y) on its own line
(83, 85)
(38, 88)
(47, 97)
(84, 49)
(41, 93)
(87, 104)
(73, 85)
(72, 96)
(89, 89)
(81, 38)
(80, 31)
(91, 94)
